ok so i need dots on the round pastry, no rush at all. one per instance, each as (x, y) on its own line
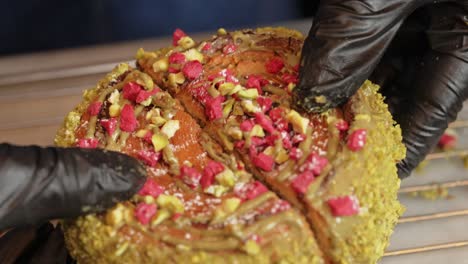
(213, 123)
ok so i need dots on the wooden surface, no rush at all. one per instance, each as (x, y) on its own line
(38, 90)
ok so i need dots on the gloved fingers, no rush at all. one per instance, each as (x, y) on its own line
(345, 43)
(440, 85)
(37, 184)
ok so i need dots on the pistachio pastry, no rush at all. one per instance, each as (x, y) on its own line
(213, 123)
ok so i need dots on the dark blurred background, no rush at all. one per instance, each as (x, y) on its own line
(37, 25)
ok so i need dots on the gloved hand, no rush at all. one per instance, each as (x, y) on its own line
(38, 184)
(424, 71)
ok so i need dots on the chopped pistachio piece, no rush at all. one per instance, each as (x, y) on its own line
(158, 120)
(212, 91)
(270, 151)
(162, 215)
(115, 216)
(159, 141)
(249, 106)
(363, 117)
(298, 122)
(171, 203)
(257, 131)
(226, 178)
(235, 132)
(114, 110)
(291, 87)
(170, 128)
(176, 78)
(161, 65)
(229, 88)
(248, 93)
(231, 204)
(114, 97)
(227, 108)
(186, 42)
(222, 31)
(281, 156)
(193, 54)
(141, 133)
(251, 247)
(216, 190)
(147, 102)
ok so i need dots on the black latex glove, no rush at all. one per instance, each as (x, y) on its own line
(38, 184)
(424, 73)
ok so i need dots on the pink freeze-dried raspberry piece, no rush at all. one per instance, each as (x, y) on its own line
(149, 157)
(209, 172)
(274, 65)
(295, 153)
(128, 121)
(290, 78)
(144, 212)
(177, 57)
(192, 69)
(357, 139)
(314, 163)
(302, 181)
(94, 108)
(109, 124)
(206, 47)
(177, 35)
(447, 141)
(88, 143)
(263, 161)
(152, 188)
(229, 48)
(264, 122)
(131, 90)
(344, 205)
(190, 176)
(247, 125)
(144, 94)
(276, 114)
(342, 125)
(214, 108)
(265, 103)
(250, 190)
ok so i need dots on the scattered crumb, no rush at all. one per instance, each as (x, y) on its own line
(432, 194)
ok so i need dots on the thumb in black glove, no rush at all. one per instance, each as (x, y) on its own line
(348, 40)
(38, 184)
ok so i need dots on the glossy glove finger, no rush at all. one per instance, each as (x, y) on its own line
(37, 184)
(345, 43)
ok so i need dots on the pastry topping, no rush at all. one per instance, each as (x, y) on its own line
(256, 81)
(88, 143)
(151, 188)
(342, 125)
(171, 203)
(264, 122)
(144, 95)
(186, 42)
(211, 169)
(94, 108)
(149, 157)
(226, 178)
(190, 176)
(176, 78)
(192, 70)
(357, 139)
(177, 35)
(177, 58)
(289, 78)
(265, 103)
(131, 90)
(280, 206)
(298, 138)
(447, 141)
(216, 190)
(247, 125)
(194, 55)
(214, 108)
(128, 122)
(144, 212)
(256, 133)
(170, 128)
(251, 247)
(344, 205)
(250, 190)
(162, 215)
(206, 47)
(314, 163)
(302, 181)
(114, 110)
(109, 124)
(159, 141)
(161, 65)
(276, 114)
(229, 88)
(274, 65)
(298, 122)
(248, 94)
(295, 153)
(263, 161)
(229, 48)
